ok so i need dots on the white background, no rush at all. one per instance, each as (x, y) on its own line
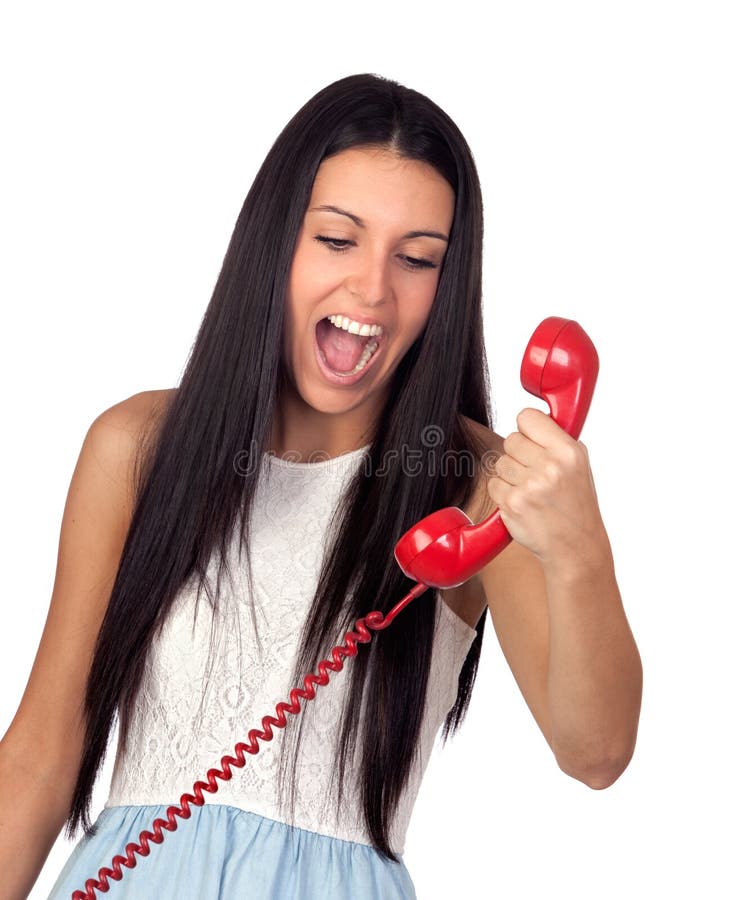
(611, 143)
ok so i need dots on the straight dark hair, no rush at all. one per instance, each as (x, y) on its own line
(187, 508)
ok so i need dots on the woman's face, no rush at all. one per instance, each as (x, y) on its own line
(374, 258)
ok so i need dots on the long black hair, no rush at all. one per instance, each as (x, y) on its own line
(186, 507)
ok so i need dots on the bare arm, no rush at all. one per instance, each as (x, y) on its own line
(46, 734)
(568, 643)
(560, 621)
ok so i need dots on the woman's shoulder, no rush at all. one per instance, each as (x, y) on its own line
(488, 447)
(485, 436)
(468, 599)
(135, 412)
(119, 432)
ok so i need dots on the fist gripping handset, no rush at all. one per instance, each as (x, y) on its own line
(443, 550)
(446, 549)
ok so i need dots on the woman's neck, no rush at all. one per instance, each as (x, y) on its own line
(308, 433)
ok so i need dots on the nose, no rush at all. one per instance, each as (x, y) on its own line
(369, 279)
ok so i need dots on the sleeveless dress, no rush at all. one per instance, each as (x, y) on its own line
(193, 706)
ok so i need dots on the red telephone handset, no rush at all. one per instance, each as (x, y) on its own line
(445, 549)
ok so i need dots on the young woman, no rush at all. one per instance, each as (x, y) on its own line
(219, 538)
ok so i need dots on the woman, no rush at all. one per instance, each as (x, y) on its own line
(365, 217)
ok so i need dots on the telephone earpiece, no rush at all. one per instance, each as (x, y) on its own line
(560, 366)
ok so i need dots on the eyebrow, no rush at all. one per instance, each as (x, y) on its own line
(342, 212)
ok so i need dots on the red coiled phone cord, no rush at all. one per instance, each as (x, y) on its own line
(373, 620)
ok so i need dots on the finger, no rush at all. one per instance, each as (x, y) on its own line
(523, 449)
(509, 469)
(538, 426)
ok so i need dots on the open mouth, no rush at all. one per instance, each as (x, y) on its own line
(345, 355)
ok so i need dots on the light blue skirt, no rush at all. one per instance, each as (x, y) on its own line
(224, 853)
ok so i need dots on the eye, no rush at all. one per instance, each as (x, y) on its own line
(410, 261)
(331, 242)
(413, 263)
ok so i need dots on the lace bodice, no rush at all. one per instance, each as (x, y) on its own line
(193, 706)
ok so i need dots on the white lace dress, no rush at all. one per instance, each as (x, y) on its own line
(194, 706)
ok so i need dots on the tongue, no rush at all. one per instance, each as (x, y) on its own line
(341, 349)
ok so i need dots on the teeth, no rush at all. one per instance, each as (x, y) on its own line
(366, 355)
(355, 327)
